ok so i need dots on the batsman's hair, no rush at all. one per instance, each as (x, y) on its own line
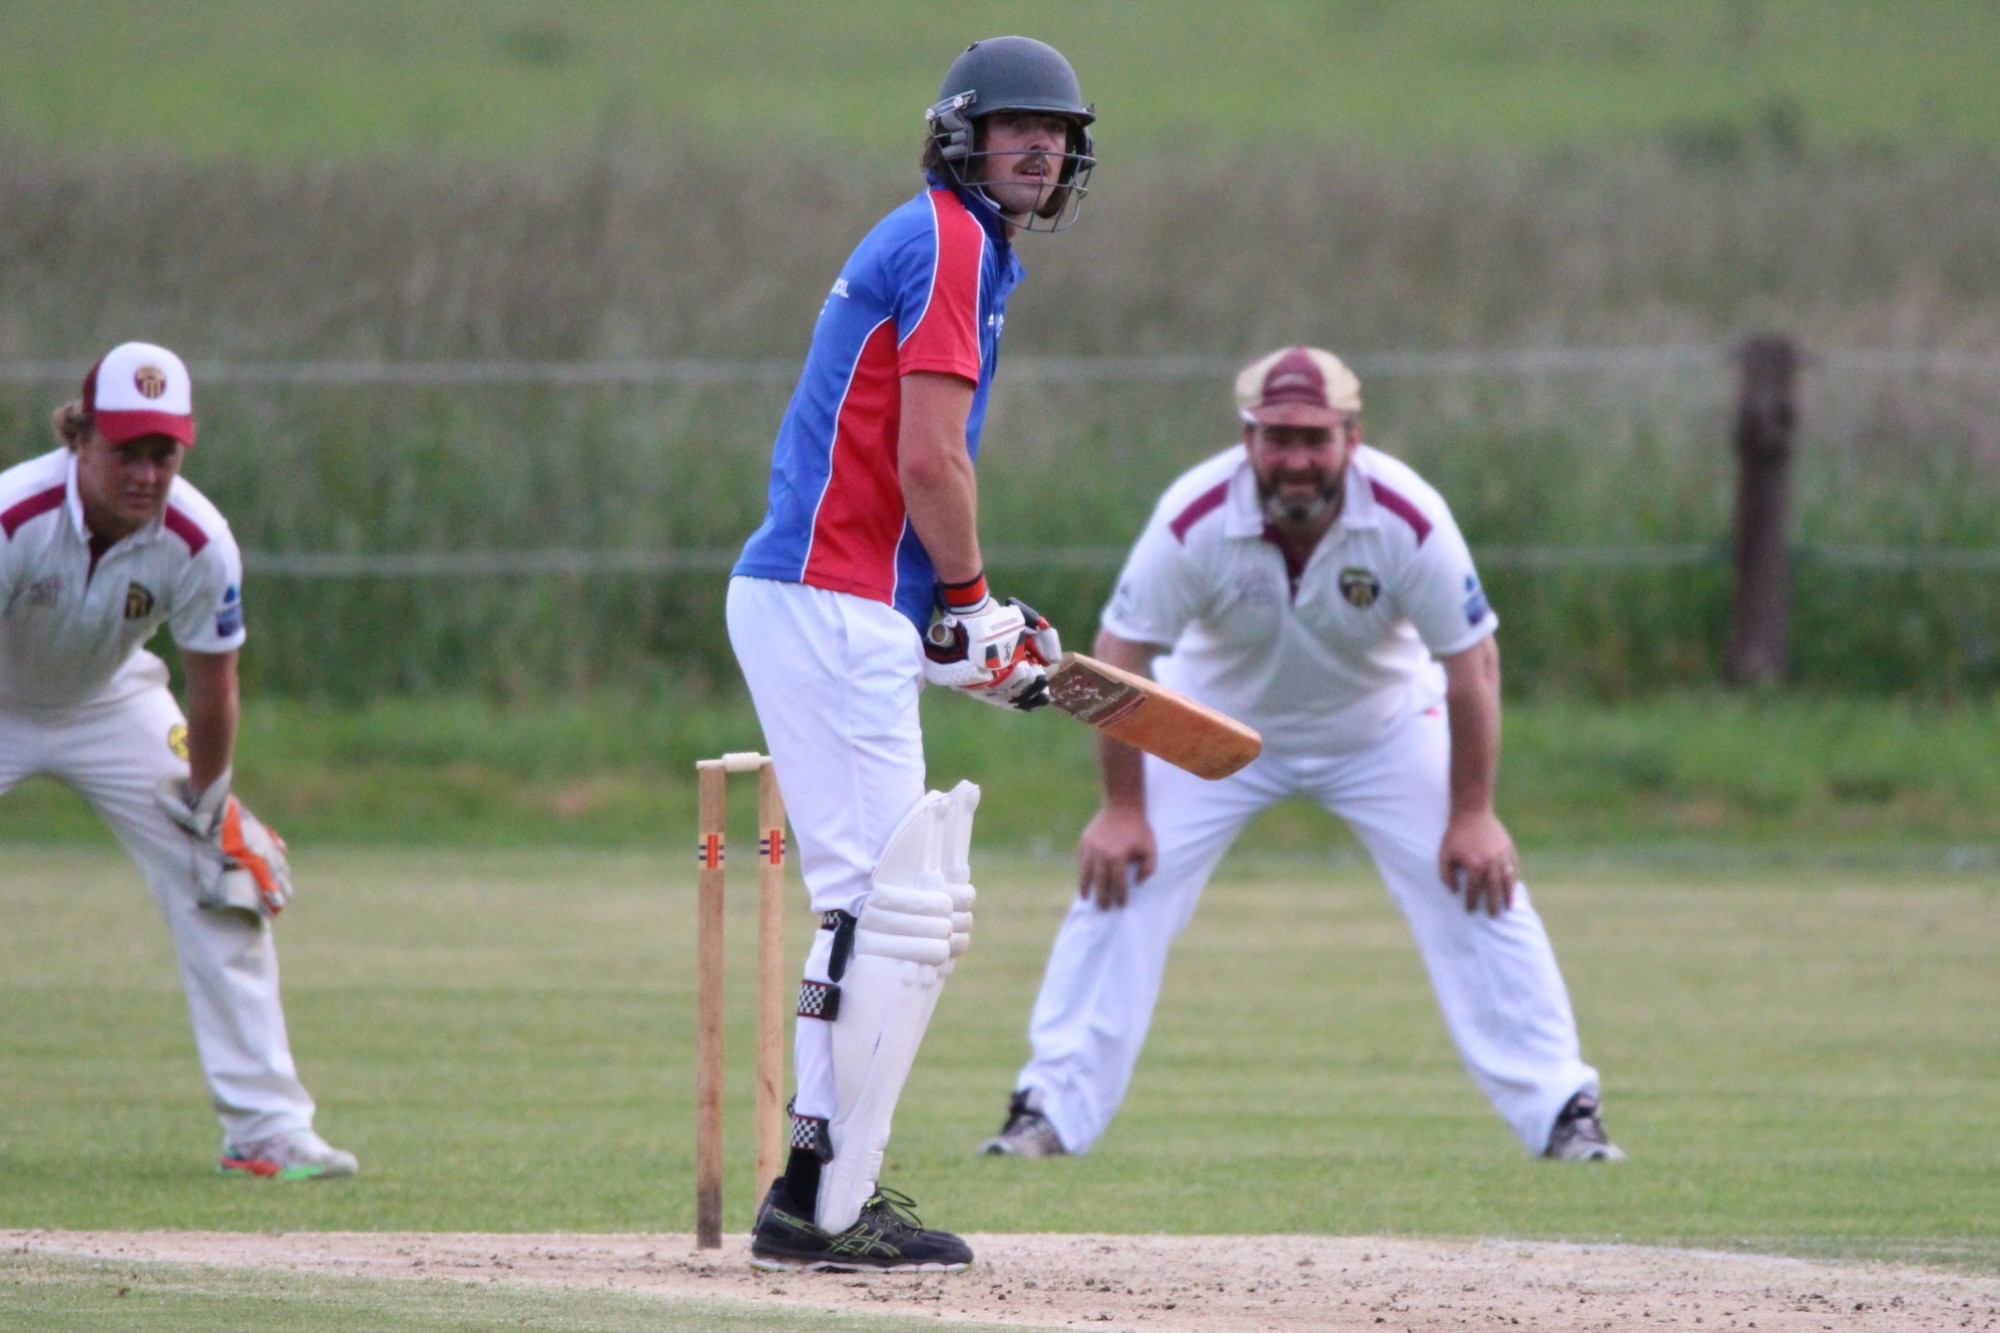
(73, 423)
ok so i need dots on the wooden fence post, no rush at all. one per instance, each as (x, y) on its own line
(1766, 412)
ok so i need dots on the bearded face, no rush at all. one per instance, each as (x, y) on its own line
(1299, 469)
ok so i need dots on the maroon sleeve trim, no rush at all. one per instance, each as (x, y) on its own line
(186, 529)
(41, 502)
(1401, 507)
(1199, 508)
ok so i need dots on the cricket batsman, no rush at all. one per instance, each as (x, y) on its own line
(865, 583)
(102, 541)
(1318, 590)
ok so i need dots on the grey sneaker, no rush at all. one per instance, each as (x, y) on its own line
(1027, 1132)
(1579, 1134)
(296, 1154)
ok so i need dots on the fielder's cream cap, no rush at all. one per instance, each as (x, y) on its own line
(1297, 386)
(140, 389)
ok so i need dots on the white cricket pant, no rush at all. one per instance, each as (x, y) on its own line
(1496, 979)
(114, 753)
(835, 679)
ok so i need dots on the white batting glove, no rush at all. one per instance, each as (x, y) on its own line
(243, 863)
(997, 652)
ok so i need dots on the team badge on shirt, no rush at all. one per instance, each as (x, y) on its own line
(45, 591)
(138, 601)
(1360, 587)
(177, 740)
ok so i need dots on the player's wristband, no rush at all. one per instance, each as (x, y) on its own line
(961, 598)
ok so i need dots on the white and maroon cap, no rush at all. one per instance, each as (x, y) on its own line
(140, 389)
(1297, 386)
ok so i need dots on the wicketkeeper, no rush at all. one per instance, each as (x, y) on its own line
(101, 542)
(1318, 590)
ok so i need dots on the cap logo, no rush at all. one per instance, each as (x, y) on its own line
(1295, 379)
(150, 381)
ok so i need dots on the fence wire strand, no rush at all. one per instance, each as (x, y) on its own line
(1031, 369)
(1035, 369)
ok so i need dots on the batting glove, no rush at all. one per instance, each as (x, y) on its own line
(997, 652)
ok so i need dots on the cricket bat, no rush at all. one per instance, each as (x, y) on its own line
(1146, 714)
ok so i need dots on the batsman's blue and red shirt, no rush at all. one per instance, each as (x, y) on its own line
(926, 290)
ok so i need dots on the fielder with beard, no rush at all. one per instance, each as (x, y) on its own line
(1320, 591)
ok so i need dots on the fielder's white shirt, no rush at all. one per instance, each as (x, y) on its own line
(1320, 660)
(71, 632)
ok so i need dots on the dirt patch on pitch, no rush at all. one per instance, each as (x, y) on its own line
(1216, 1284)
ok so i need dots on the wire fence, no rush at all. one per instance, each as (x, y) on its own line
(1025, 369)
(321, 565)
(524, 527)
(1098, 559)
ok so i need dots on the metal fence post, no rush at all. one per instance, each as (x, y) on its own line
(1766, 413)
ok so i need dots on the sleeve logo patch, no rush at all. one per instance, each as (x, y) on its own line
(1360, 587)
(138, 601)
(229, 620)
(177, 740)
(1476, 606)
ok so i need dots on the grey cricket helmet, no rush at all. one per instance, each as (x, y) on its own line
(1015, 74)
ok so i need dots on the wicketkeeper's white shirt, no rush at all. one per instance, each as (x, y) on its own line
(71, 631)
(1322, 659)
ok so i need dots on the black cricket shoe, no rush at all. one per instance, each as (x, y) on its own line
(886, 1238)
(1579, 1134)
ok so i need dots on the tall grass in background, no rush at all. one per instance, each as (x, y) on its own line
(608, 253)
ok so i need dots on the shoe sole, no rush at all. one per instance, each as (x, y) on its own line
(775, 1264)
(1608, 1153)
(1000, 1148)
(229, 1166)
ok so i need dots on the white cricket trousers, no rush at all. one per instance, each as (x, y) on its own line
(114, 753)
(835, 679)
(1496, 978)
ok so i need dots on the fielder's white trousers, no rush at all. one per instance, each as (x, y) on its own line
(835, 679)
(114, 753)
(1496, 979)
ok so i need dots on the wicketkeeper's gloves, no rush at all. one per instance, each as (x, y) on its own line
(242, 863)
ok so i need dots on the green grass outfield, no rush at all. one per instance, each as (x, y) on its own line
(1677, 773)
(57, 1296)
(1799, 1059)
(300, 77)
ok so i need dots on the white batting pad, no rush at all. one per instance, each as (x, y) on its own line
(903, 949)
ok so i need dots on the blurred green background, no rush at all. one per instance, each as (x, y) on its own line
(305, 78)
(631, 185)
(1774, 906)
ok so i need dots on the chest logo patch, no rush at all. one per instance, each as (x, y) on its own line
(138, 601)
(150, 381)
(1360, 587)
(177, 740)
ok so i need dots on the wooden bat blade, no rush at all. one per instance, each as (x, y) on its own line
(1146, 714)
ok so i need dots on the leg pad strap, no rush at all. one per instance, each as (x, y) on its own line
(819, 999)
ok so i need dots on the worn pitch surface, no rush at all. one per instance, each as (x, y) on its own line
(1162, 1283)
